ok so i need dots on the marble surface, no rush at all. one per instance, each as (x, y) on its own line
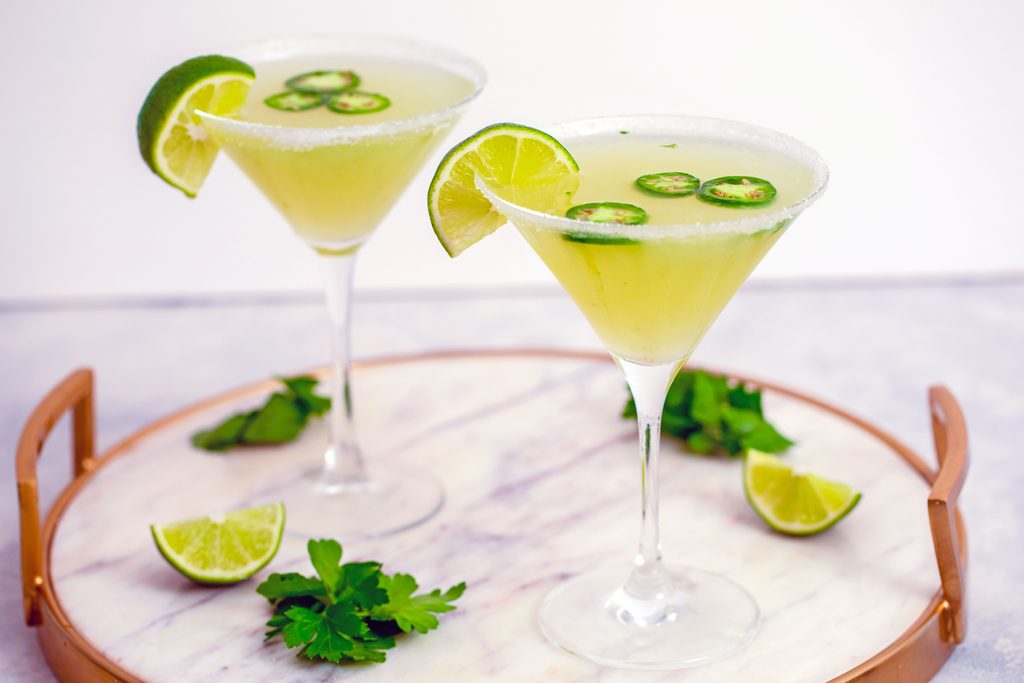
(873, 349)
(541, 483)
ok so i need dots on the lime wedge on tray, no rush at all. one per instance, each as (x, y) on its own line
(224, 548)
(520, 164)
(791, 501)
(172, 139)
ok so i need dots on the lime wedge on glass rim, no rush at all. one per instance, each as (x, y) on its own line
(791, 501)
(172, 140)
(520, 164)
(225, 548)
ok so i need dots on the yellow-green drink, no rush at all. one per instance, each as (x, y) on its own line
(650, 224)
(650, 298)
(334, 176)
(333, 130)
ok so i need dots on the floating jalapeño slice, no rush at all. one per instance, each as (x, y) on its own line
(608, 212)
(323, 82)
(289, 100)
(669, 183)
(615, 213)
(738, 191)
(357, 102)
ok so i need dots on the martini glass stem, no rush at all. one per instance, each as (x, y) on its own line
(648, 591)
(343, 461)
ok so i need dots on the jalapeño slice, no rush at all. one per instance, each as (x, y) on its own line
(608, 212)
(669, 183)
(289, 100)
(738, 191)
(357, 102)
(323, 82)
(592, 238)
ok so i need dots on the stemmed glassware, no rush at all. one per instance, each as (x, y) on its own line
(334, 178)
(651, 292)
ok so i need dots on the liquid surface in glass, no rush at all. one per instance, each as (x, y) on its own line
(651, 300)
(335, 193)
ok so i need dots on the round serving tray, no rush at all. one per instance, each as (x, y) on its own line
(541, 483)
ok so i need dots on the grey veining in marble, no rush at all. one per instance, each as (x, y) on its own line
(873, 350)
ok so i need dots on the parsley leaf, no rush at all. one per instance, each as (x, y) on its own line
(326, 558)
(414, 612)
(280, 419)
(290, 585)
(350, 611)
(712, 415)
(302, 625)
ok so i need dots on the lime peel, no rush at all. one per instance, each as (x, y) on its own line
(222, 548)
(793, 501)
(520, 164)
(171, 137)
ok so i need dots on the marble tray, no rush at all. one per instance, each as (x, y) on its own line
(541, 481)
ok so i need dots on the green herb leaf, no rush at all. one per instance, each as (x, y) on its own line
(360, 582)
(415, 612)
(766, 439)
(223, 436)
(350, 612)
(712, 415)
(326, 558)
(328, 643)
(302, 388)
(280, 419)
(302, 625)
(291, 585)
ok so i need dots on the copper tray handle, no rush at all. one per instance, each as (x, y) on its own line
(75, 392)
(950, 432)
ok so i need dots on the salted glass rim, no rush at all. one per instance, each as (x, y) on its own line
(362, 45)
(654, 124)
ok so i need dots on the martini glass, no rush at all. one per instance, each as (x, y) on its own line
(650, 292)
(333, 176)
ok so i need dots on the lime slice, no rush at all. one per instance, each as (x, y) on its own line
(791, 501)
(172, 139)
(522, 165)
(224, 548)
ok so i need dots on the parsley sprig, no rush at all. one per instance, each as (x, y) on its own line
(713, 415)
(351, 611)
(281, 419)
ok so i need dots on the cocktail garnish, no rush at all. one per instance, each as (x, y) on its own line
(791, 501)
(222, 548)
(669, 183)
(737, 191)
(518, 163)
(172, 140)
(618, 213)
(713, 415)
(323, 82)
(357, 102)
(349, 612)
(291, 100)
(282, 418)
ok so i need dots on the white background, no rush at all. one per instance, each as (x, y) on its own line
(917, 106)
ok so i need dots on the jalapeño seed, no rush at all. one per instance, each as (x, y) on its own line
(357, 102)
(737, 191)
(290, 100)
(669, 183)
(608, 212)
(323, 82)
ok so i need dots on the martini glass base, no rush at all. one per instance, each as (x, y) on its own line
(707, 617)
(391, 500)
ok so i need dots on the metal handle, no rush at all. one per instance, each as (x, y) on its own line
(950, 432)
(75, 392)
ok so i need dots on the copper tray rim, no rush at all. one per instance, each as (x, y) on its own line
(63, 632)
